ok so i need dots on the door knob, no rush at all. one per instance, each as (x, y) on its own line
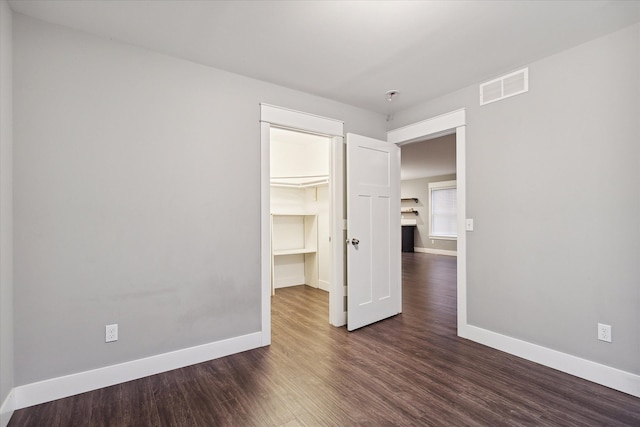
(355, 242)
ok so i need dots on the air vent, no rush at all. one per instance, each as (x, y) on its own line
(503, 87)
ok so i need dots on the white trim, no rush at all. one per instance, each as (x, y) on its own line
(433, 251)
(453, 122)
(7, 408)
(300, 120)
(265, 231)
(461, 245)
(337, 224)
(69, 385)
(285, 282)
(324, 285)
(428, 129)
(439, 185)
(573, 365)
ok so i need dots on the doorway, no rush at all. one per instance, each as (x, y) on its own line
(300, 209)
(277, 116)
(428, 171)
(445, 124)
(429, 219)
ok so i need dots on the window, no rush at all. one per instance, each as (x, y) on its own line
(443, 210)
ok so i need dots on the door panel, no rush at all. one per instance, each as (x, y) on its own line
(373, 212)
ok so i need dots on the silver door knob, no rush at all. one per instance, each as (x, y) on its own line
(355, 242)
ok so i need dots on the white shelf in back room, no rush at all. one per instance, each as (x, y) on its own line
(294, 251)
(291, 213)
(294, 233)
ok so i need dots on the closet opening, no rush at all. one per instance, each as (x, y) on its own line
(300, 209)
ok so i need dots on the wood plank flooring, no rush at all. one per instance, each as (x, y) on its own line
(409, 370)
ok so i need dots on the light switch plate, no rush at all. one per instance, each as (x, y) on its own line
(469, 224)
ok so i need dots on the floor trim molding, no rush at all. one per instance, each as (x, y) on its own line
(435, 251)
(607, 376)
(69, 385)
(7, 408)
(285, 282)
(324, 285)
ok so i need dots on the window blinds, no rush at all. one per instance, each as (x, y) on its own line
(444, 212)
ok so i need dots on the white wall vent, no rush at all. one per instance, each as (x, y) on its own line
(505, 86)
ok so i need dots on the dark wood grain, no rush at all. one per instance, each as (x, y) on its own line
(411, 369)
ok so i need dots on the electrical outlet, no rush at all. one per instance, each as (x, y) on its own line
(604, 332)
(111, 333)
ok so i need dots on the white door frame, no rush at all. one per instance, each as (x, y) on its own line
(445, 124)
(271, 115)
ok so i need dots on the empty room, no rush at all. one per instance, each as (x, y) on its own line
(206, 214)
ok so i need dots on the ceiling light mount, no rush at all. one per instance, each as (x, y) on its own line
(391, 94)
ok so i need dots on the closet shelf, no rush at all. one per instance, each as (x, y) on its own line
(406, 199)
(291, 213)
(410, 210)
(294, 251)
(299, 181)
(293, 233)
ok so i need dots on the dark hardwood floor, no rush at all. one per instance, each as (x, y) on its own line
(411, 369)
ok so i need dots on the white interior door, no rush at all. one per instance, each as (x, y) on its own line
(374, 287)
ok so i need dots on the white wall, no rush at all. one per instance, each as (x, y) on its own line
(287, 199)
(137, 199)
(298, 154)
(6, 211)
(552, 184)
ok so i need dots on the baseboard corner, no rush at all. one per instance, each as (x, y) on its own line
(6, 409)
(598, 373)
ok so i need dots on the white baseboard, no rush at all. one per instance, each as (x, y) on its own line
(435, 251)
(284, 282)
(600, 374)
(69, 385)
(324, 285)
(6, 410)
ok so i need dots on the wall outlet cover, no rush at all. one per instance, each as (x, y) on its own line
(604, 332)
(111, 333)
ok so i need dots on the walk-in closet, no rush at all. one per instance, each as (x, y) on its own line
(300, 211)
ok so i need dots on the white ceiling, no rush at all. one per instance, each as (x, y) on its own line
(435, 157)
(350, 51)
